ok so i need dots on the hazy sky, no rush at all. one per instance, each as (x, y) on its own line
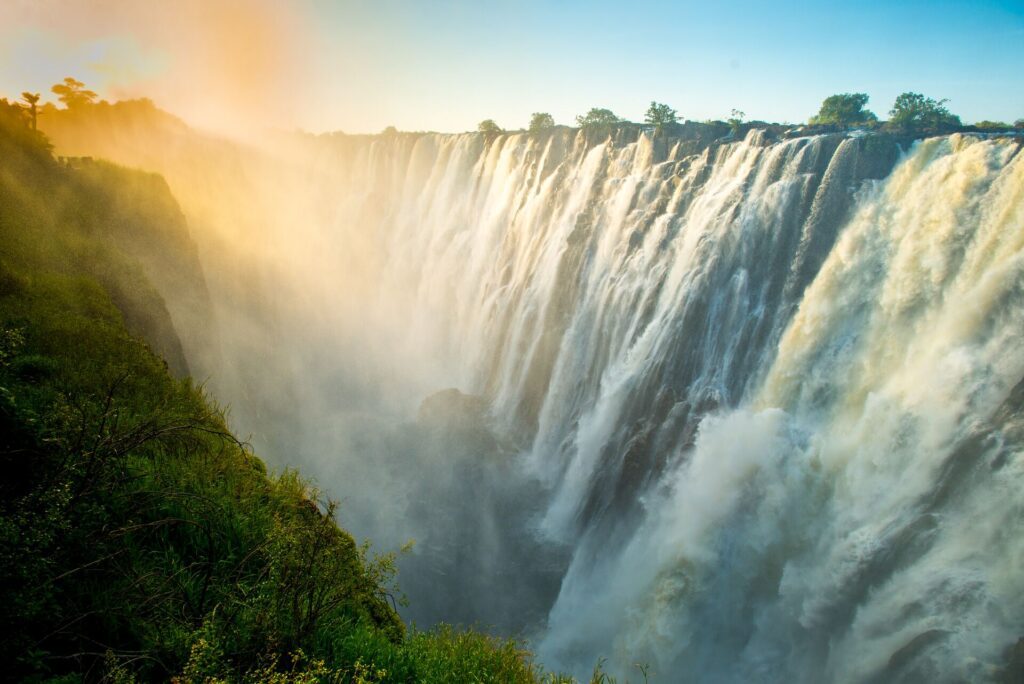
(359, 66)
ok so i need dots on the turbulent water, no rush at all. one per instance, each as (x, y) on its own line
(747, 411)
(767, 396)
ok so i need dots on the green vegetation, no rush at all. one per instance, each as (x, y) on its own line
(597, 117)
(915, 111)
(993, 125)
(541, 121)
(139, 539)
(488, 127)
(736, 121)
(846, 109)
(598, 123)
(660, 115)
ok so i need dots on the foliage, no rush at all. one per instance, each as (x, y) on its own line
(993, 125)
(389, 131)
(597, 118)
(540, 121)
(488, 127)
(660, 115)
(845, 109)
(73, 93)
(597, 123)
(1019, 123)
(915, 111)
(736, 121)
(17, 135)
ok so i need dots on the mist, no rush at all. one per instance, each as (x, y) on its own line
(236, 68)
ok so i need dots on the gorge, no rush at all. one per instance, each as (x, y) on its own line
(748, 407)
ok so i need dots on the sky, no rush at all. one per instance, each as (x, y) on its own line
(360, 65)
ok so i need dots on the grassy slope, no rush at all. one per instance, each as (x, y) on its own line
(138, 537)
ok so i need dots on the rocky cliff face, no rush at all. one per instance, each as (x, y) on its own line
(142, 218)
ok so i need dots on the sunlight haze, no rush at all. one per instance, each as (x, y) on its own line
(360, 66)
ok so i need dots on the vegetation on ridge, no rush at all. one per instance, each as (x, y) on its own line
(488, 127)
(660, 115)
(540, 121)
(913, 110)
(846, 109)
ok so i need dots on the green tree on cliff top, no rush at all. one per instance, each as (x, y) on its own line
(913, 110)
(845, 109)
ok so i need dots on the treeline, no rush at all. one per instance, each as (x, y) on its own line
(910, 113)
(140, 540)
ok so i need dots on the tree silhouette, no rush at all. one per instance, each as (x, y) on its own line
(31, 100)
(73, 93)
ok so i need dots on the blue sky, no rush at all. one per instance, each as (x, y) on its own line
(446, 64)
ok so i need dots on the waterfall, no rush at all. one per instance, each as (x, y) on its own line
(767, 393)
(744, 410)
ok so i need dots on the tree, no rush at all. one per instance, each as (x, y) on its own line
(660, 115)
(488, 127)
(1019, 123)
(845, 109)
(540, 121)
(597, 121)
(73, 93)
(389, 131)
(597, 117)
(913, 110)
(17, 133)
(736, 120)
(31, 100)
